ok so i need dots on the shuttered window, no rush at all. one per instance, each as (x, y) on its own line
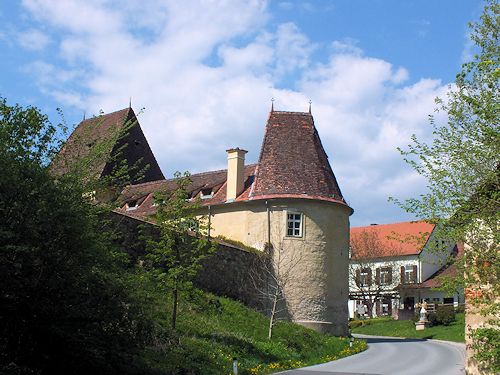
(364, 277)
(409, 274)
(384, 275)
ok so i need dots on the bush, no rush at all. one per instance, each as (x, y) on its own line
(444, 315)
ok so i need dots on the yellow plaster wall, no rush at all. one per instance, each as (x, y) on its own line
(318, 291)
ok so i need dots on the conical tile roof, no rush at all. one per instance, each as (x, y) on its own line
(292, 160)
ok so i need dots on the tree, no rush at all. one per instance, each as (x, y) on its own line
(271, 276)
(365, 284)
(462, 168)
(64, 303)
(183, 243)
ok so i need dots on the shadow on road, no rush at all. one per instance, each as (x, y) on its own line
(372, 340)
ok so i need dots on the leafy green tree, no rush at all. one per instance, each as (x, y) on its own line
(462, 168)
(183, 242)
(65, 305)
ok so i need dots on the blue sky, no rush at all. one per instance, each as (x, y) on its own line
(205, 71)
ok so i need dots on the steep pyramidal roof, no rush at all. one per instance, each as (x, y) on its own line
(99, 142)
(292, 160)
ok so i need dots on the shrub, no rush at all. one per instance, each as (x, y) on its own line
(416, 317)
(444, 315)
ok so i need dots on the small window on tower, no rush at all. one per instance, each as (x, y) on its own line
(294, 224)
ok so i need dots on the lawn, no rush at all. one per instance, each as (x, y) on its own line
(406, 328)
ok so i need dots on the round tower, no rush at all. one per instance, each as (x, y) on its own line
(308, 221)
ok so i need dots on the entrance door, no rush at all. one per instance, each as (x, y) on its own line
(409, 303)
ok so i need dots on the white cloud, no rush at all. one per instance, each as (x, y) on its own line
(205, 72)
(33, 39)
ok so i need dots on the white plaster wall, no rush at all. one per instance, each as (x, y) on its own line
(433, 257)
(394, 262)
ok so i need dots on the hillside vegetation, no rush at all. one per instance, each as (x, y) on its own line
(213, 330)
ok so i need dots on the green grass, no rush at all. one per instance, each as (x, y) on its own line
(406, 328)
(212, 330)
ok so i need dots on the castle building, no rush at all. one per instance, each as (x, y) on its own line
(288, 201)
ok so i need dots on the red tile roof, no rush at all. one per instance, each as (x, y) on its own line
(292, 160)
(407, 238)
(213, 181)
(292, 164)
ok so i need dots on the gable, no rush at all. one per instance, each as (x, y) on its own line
(99, 144)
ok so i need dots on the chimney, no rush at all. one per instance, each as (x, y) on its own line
(235, 173)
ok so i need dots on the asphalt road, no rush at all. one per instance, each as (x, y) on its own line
(393, 356)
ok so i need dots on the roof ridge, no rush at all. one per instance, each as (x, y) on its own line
(216, 171)
(194, 174)
(387, 224)
(103, 114)
(293, 112)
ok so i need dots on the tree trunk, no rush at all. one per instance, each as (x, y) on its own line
(370, 308)
(174, 308)
(273, 313)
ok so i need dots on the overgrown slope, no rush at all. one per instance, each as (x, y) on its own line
(213, 330)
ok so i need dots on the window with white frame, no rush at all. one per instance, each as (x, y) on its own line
(364, 277)
(131, 205)
(294, 224)
(385, 308)
(385, 275)
(410, 275)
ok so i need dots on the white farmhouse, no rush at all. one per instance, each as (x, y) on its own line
(395, 266)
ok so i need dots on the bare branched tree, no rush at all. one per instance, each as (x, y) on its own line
(274, 273)
(369, 279)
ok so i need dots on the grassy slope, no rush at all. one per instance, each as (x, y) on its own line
(213, 330)
(406, 328)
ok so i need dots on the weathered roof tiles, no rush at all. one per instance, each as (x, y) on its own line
(95, 141)
(292, 160)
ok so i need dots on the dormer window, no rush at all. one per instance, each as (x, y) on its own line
(206, 193)
(131, 205)
(294, 224)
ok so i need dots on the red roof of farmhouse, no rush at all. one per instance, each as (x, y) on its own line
(406, 238)
(292, 164)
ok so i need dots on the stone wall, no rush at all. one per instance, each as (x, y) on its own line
(230, 271)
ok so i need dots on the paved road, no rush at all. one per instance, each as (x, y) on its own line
(393, 356)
